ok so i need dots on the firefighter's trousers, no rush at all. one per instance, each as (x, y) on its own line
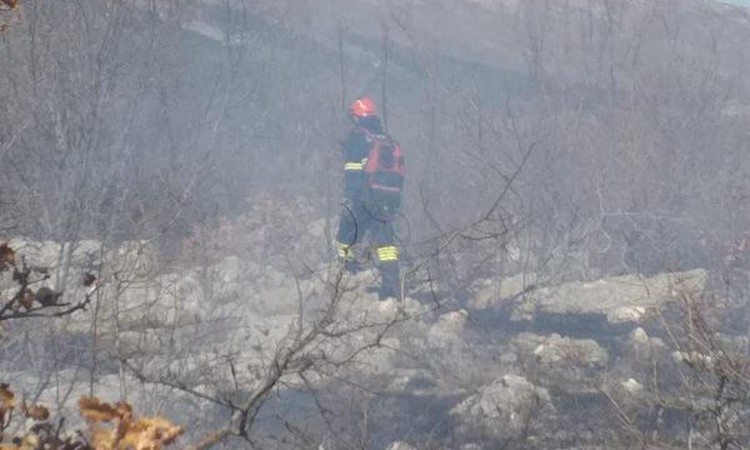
(369, 222)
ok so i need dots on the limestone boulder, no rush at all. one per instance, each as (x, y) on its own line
(556, 350)
(624, 299)
(506, 406)
(401, 446)
(641, 350)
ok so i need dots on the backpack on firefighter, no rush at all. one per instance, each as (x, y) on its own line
(384, 168)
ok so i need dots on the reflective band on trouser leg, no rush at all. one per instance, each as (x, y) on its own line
(353, 166)
(343, 250)
(388, 253)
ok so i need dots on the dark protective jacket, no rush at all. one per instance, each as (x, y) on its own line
(356, 149)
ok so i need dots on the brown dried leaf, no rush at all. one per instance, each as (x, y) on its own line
(12, 4)
(101, 438)
(150, 434)
(124, 410)
(7, 257)
(7, 398)
(143, 434)
(36, 412)
(27, 299)
(7, 402)
(94, 410)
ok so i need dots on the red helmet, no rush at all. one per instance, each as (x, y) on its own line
(363, 107)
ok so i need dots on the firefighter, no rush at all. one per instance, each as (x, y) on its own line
(371, 195)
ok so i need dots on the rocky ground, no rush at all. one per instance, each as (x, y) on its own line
(567, 366)
(514, 361)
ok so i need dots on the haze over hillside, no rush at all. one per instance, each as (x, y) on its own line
(633, 75)
(744, 3)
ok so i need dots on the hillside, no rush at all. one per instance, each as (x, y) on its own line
(574, 236)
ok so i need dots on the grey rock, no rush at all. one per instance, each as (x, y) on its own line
(401, 446)
(505, 405)
(556, 350)
(627, 298)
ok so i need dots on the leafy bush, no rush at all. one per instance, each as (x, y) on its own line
(108, 427)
